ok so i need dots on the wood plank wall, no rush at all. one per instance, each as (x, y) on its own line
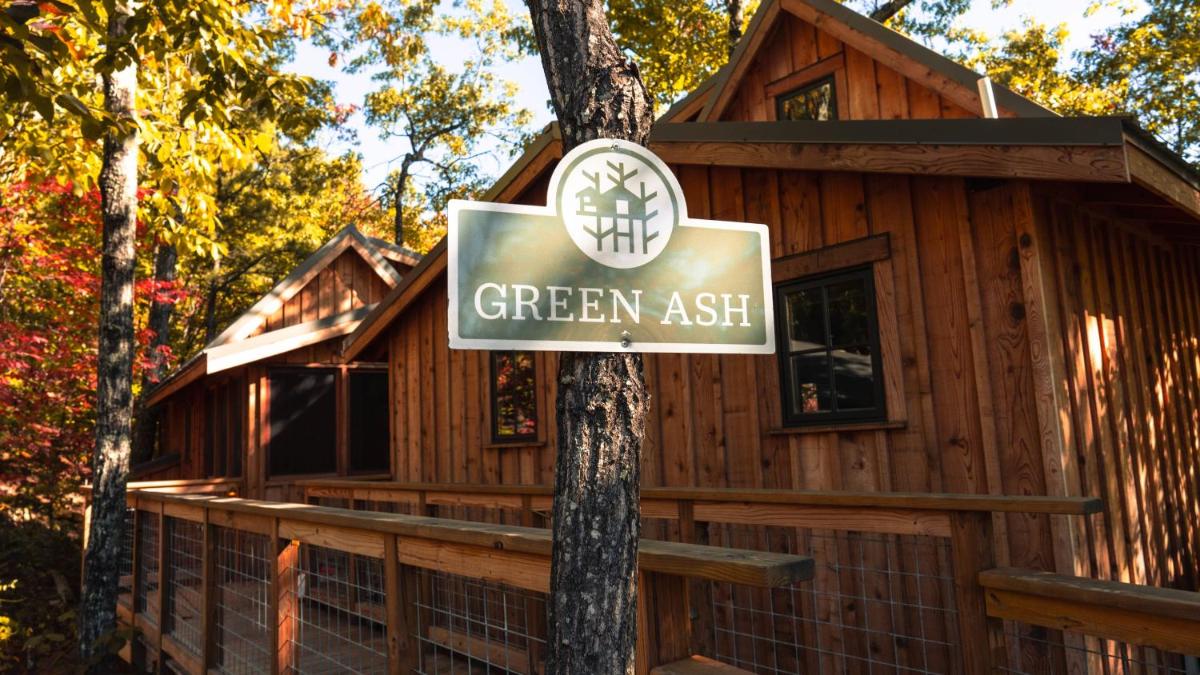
(1040, 351)
(873, 90)
(347, 283)
(1129, 333)
(969, 423)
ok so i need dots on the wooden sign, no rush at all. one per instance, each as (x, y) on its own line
(611, 263)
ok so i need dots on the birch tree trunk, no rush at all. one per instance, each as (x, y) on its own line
(596, 93)
(114, 404)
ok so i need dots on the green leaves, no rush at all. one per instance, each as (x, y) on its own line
(1150, 66)
(677, 44)
(443, 120)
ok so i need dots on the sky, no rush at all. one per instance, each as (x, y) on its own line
(379, 156)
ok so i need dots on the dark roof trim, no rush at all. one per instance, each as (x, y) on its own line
(396, 252)
(1149, 143)
(1005, 97)
(1053, 131)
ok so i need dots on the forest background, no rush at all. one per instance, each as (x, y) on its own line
(364, 112)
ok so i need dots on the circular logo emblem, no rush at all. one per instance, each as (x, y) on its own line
(618, 201)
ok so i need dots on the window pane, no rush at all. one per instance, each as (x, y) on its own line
(368, 421)
(811, 103)
(848, 321)
(810, 384)
(806, 320)
(303, 422)
(853, 378)
(515, 395)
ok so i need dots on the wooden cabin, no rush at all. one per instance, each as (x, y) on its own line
(980, 425)
(270, 396)
(1031, 285)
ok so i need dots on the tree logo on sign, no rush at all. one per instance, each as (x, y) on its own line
(619, 203)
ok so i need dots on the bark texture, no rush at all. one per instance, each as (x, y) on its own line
(114, 405)
(146, 420)
(733, 10)
(166, 259)
(596, 93)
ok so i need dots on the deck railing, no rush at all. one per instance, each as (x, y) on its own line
(236, 585)
(895, 588)
(1094, 626)
(895, 585)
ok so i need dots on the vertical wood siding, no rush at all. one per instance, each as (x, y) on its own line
(1129, 335)
(347, 283)
(972, 349)
(872, 89)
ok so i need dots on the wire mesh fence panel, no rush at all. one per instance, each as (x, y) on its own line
(1034, 650)
(334, 610)
(242, 585)
(876, 604)
(146, 593)
(125, 582)
(184, 578)
(474, 627)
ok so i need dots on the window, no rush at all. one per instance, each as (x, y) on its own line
(303, 415)
(223, 429)
(829, 349)
(368, 419)
(815, 101)
(514, 397)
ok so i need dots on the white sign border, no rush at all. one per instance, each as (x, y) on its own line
(459, 342)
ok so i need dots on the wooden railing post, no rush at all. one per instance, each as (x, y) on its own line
(208, 595)
(283, 601)
(401, 588)
(981, 637)
(700, 591)
(664, 620)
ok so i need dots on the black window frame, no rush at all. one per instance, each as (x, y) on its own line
(352, 373)
(273, 401)
(877, 413)
(494, 402)
(802, 89)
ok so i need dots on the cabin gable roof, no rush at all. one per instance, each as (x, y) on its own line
(788, 37)
(349, 238)
(259, 334)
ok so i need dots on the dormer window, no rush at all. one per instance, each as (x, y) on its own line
(814, 101)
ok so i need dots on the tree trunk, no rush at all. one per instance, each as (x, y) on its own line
(733, 9)
(114, 395)
(165, 260)
(398, 200)
(596, 93)
(146, 420)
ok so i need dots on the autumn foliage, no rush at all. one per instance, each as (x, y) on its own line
(49, 289)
